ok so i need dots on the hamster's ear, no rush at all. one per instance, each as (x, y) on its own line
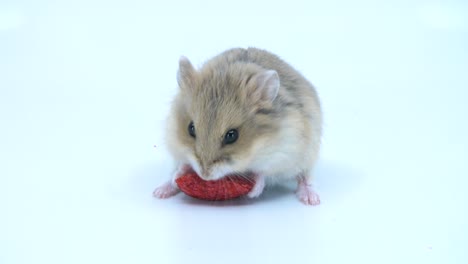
(186, 74)
(264, 86)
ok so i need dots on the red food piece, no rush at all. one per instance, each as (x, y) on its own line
(223, 189)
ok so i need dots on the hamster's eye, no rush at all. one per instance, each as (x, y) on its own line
(231, 136)
(191, 129)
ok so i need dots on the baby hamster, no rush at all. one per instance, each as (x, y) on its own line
(244, 112)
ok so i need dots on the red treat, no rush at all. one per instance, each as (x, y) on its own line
(223, 189)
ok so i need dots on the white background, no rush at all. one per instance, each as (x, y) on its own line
(84, 92)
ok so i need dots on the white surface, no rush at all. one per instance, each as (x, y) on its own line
(85, 88)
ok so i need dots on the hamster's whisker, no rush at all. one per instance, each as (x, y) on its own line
(225, 189)
(229, 177)
(217, 196)
(245, 176)
(233, 182)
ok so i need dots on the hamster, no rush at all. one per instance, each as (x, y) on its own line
(244, 112)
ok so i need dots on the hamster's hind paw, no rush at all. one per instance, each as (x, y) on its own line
(307, 195)
(165, 191)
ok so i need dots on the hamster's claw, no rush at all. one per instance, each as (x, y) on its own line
(166, 190)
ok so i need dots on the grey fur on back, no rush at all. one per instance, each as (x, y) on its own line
(296, 92)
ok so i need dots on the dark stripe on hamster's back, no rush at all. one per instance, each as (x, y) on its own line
(265, 111)
(281, 105)
(247, 80)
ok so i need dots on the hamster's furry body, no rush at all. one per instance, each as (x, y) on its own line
(245, 111)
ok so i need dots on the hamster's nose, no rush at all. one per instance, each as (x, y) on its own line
(205, 174)
(203, 171)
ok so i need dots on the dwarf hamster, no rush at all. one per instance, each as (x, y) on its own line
(244, 112)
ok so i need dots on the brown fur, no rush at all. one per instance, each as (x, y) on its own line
(223, 95)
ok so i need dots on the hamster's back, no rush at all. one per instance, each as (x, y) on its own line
(296, 92)
(290, 77)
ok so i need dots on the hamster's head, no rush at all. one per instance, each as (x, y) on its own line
(224, 116)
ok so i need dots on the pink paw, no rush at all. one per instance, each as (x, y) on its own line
(307, 195)
(165, 191)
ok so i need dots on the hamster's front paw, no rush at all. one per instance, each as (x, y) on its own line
(165, 191)
(258, 187)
